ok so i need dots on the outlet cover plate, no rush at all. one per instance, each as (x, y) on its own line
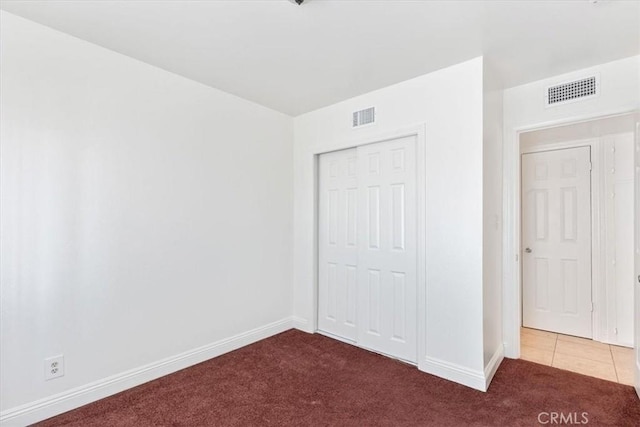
(53, 367)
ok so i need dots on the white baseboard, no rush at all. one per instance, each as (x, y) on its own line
(493, 365)
(453, 372)
(79, 396)
(510, 352)
(478, 380)
(301, 324)
(636, 386)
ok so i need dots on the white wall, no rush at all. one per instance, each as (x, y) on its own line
(449, 104)
(524, 109)
(492, 217)
(143, 215)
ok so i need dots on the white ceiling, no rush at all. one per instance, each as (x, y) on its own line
(298, 58)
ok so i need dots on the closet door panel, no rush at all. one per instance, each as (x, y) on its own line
(338, 243)
(387, 250)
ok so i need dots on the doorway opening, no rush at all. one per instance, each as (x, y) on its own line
(577, 247)
(370, 240)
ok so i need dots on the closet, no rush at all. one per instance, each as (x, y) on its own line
(367, 247)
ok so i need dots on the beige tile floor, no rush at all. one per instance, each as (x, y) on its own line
(579, 355)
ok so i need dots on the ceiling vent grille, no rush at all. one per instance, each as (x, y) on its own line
(364, 117)
(572, 91)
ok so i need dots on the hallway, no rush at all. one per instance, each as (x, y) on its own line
(583, 356)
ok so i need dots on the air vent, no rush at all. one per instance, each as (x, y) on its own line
(572, 91)
(364, 117)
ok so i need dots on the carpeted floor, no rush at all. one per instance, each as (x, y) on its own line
(297, 379)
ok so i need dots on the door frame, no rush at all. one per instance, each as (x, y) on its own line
(512, 272)
(636, 267)
(598, 292)
(419, 132)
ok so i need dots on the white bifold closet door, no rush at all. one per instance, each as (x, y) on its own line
(367, 247)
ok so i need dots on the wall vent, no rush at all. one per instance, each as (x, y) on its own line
(572, 91)
(364, 117)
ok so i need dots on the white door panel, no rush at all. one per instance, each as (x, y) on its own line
(387, 250)
(337, 237)
(556, 237)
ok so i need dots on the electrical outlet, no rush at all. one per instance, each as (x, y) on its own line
(53, 367)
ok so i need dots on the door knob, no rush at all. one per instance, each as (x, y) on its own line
(528, 250)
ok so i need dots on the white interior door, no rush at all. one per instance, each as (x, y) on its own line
(387, 250)
(367, 247)
(556, 239)
(637, 259)
(337, 239)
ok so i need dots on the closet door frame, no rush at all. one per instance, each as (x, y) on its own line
(359, 139)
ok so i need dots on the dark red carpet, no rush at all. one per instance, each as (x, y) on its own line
(297, 379)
